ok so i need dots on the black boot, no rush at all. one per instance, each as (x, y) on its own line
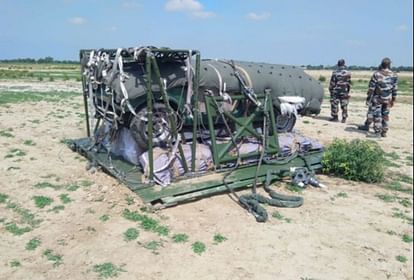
(334, 119)
(384, 134)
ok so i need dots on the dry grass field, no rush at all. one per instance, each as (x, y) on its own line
(60, 221)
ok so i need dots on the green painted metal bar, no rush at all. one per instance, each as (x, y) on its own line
(207, 181)
(239, 132)
(132, 177)
(273, 125)
(220, 188)
(149, 116)
(85, 98)
(195, 112)
(173, 125)
(209, 110)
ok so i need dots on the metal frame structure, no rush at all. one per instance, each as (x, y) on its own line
(229, 173)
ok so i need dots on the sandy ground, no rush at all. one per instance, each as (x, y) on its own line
(344, 232)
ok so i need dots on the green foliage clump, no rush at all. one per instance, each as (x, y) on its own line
(131, 234)
(42, 201)
(33, 244)
(218, 238)
(107, 270)
(3, 197)
(15, 263)
(358, 160)
(400, 258)
(198, 247)
(56, 259)
(322, 78)
(16, 230)
(180, 238)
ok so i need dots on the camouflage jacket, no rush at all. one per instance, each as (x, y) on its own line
(384, 83)
(340, 81)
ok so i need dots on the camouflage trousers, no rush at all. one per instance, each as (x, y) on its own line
(378, 113)
(339, 100)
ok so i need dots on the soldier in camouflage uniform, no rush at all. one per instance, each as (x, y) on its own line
(382, 93)
(339, 88)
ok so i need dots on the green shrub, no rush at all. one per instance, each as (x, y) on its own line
(358, 160)
(322, 79)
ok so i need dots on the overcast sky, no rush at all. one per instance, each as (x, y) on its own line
(297, 32)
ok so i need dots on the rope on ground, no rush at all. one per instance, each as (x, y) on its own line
(252, 201)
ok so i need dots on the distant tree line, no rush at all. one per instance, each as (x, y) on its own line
(49, 59)
(354, 67)
(45, 60)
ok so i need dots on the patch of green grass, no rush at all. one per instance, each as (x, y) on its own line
(8, 97)
(15, 263)
(86, 183)
(180, 238)
(35, 121)
(69, 187)
(396, 186)
(406, 202)
(279, 216)
(129, 200)
(386, 197)
(42, 201)
(72, 187)
(389, 163)
(392, 155)
(104, 218)
(57, 208)
(64, 197)
(407, 238)
(26, 216)
(15, 153)
(15, 230)
(56, 259)
(342, 194)
(43, 185)
(306, 122)
(391, 232)
(132, 215)
(131, 234)
(404, 217)
(29, 143)
(108, 270)
(198, 247)
(5, 133)
(218, 238)
(409, 160)
(294, 188)
(401, 258)
(153, 225)
(146, 222)
(358, 160)
(153, 246)
(33, 244)
(3, 197)
(401, 177)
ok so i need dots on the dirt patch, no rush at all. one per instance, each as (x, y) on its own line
(344, 232)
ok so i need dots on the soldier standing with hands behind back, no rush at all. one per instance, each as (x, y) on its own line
(381, 96)
(339, 88)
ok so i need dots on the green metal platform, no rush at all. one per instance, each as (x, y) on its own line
(191, 188)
